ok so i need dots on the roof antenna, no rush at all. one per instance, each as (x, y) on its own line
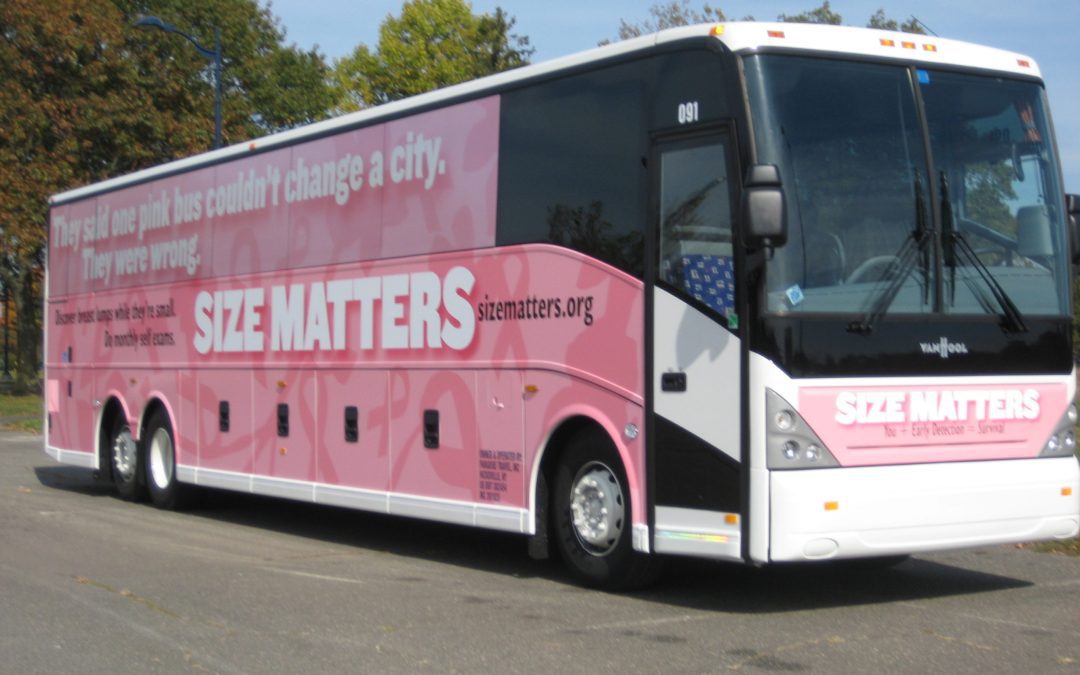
(918, 21)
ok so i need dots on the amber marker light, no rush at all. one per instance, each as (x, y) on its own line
(907, 45)
(717, 30)
(776, 33)
(929, 48)
(885, 42)
(531, 389)
(1066, 492)
(731, 519)
(1023, 63)
(832, 506)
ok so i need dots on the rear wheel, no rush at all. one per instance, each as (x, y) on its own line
(126, 462)
(165, 491)
(593, 519)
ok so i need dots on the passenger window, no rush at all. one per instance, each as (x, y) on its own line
(696, 252)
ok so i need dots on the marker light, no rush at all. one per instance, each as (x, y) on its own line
(784, 420)
(907, 45)
(832, 506)
(776, 33)
(1053, 444)
(929, 48)
(1066, 492)
(731, 518)
(885, 42)
(717, 30)
(1023, 63)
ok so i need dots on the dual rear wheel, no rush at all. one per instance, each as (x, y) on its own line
(147, 468)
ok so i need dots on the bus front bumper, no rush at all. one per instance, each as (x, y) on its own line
(880, 511)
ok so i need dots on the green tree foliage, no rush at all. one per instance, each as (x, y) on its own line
(87, 96)
(823, 14)
(432, 44)
(669, 15)
(882, 22)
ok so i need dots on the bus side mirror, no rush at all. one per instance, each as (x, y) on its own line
(1072, 213)
(763, 216)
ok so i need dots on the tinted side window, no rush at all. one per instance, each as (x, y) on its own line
(571, 165)
(572, 151)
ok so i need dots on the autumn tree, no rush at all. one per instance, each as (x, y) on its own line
(87, 96)
(432, 44)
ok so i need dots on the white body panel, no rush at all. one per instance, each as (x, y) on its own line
(906, 509)
(685, 340)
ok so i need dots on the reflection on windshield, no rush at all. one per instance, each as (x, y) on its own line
(991, 143)
(847, 139)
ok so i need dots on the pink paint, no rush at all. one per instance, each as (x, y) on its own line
(864, 426)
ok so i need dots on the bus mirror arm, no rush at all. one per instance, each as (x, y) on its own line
(763, 215)
(1072, 213)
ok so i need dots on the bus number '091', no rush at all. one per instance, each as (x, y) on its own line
(688, 112)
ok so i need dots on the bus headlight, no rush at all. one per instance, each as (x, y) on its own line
(790, 443)
(1062, 443)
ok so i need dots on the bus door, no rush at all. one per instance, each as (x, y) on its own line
(695, 383)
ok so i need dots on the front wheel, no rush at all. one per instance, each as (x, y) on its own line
(593, 516)
(165, 491)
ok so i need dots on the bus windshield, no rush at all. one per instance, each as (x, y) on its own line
(876, 225)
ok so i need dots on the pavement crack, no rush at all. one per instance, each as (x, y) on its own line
(125, 593)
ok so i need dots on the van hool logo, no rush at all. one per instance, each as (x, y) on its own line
(943, 347)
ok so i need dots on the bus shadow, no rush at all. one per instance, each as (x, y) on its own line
(729, 587)
(73, 479)
(690, 583)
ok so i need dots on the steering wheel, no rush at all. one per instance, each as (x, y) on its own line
(877, 268)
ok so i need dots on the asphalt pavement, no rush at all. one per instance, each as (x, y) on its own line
(90, 583)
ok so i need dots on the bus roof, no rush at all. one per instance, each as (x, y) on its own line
(740, 37)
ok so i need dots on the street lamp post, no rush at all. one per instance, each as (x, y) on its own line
(214, 55)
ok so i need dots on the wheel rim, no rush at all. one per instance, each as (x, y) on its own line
(596, 508)
(124, 453)
(161, 458)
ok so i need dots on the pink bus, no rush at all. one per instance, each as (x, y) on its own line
(750, 292)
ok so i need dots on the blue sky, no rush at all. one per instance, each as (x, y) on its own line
(1042, 29)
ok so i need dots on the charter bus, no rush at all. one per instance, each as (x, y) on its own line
(747, 291)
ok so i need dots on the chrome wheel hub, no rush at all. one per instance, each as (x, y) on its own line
(596, 508)
(124, 453)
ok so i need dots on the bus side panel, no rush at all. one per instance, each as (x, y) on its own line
(552, 398)
(72, 415)
(284, 413)
(501, 466)
(365, 461)
(225, 449)
(442, 466)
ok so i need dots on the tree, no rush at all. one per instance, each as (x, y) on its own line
(823, 14)
(680, 13)
(433, 44)
(882, 22)
(87, 96)
(669, 15)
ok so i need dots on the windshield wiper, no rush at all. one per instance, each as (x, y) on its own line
(955, 247)
(915, 249)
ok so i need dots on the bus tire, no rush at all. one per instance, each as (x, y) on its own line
(166, 492)
(126, 459)
(593, 523)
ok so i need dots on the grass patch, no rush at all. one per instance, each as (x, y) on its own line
(20, 413)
